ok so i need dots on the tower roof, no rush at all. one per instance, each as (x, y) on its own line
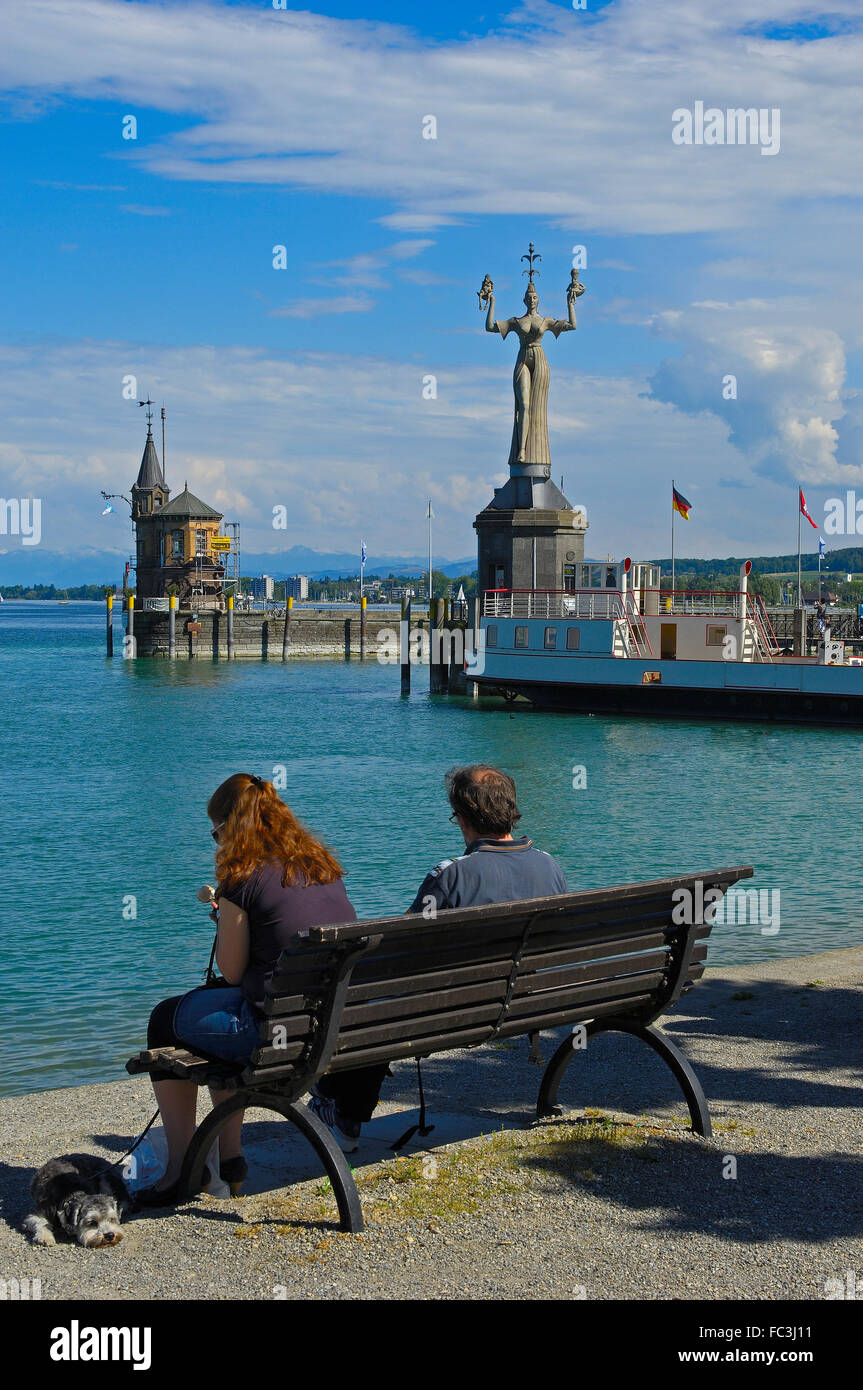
(150, 472)
(186, 505)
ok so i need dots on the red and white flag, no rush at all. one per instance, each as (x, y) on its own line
(805, 512)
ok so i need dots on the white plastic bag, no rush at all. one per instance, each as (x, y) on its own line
(145, 1166)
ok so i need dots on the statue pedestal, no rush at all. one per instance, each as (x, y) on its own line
(529, 535)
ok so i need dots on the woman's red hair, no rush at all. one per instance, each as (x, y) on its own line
(258, 829)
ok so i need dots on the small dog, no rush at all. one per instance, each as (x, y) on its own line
(77, 1195)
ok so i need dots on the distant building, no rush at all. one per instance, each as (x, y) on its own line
(174, 540)
(297, 586)
(263, 587)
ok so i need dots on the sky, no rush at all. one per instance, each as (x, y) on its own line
(307, 387)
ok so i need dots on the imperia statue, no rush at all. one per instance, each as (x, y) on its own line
(530, 378)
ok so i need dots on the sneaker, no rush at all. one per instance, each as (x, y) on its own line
(346, 1132)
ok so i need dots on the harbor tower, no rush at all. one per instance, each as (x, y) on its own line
(174, 541)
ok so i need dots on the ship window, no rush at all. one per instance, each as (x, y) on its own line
(521, 637)
(550, 642)
(491, 636)
(715, 635)
(573, 635)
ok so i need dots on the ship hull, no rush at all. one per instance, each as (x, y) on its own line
(795, 692)
(668, 701)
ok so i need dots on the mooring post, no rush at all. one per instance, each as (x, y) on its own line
(436, 622)
(405, 644)
(230, 626)
(286, 634)
(473, 630)
(363, 602)
(129, 648)
(172, 626)
(109, 624)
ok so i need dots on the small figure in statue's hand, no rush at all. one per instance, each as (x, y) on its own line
(574, 288)
(485, 293)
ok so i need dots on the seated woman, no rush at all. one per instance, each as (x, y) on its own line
(275, 879)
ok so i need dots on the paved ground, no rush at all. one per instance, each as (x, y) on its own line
(618, 1202)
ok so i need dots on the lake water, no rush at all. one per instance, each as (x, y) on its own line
(107, 768)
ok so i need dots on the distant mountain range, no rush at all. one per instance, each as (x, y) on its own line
(32, 565)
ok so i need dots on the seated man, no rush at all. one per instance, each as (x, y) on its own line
(495, 868)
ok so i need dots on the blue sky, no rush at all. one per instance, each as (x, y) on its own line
(303, 387)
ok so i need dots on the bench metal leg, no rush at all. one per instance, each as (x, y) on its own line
(661, 1044)
(311, 1128)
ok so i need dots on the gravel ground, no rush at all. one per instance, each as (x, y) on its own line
(621, 1202)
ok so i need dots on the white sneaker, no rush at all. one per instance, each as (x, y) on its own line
(346, 1132)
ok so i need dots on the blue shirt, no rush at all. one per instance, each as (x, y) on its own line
(490, 871)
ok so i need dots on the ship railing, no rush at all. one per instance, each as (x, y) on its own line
(719, 603)
(767, 640)
(605, 604)
(639, 640)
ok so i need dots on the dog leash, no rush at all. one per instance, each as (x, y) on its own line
(144, 1131)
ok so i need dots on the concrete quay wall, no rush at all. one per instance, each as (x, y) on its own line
(317, 633)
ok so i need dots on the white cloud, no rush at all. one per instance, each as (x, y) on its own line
(793, 416)
(549, 115)
(140, 210)
(348, 444)
(311, 308)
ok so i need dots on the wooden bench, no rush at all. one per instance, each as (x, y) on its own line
(609, 959)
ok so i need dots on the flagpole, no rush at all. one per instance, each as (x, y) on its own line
(430, 554)
(672, 545)
(799, 545)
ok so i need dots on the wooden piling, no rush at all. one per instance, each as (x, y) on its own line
(129, 645)
(172, 626)
(405, 644)
(436, 667)
(472, 637)
(286, 634)
(230, 627)
(109, 624)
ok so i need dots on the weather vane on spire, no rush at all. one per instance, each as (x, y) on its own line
(149, 404)
(530, 258)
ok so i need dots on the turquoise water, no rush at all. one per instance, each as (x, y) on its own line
(107, 767)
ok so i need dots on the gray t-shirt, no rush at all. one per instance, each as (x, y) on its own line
(277, 914)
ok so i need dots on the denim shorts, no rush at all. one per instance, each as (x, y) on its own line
(219, 1022)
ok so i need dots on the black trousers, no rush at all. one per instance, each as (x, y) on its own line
(356, 1093)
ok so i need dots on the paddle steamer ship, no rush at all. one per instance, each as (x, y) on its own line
(615, 643)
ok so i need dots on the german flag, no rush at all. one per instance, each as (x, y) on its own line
(679, 503)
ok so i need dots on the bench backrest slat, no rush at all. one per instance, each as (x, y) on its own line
(424, 985)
